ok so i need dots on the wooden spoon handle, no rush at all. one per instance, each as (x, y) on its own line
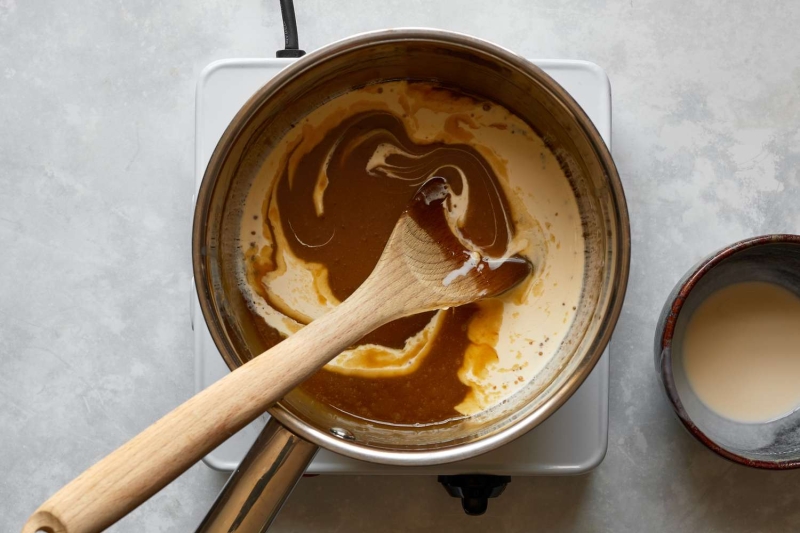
(130, 475)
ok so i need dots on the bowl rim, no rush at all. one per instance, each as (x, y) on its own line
(666, 332)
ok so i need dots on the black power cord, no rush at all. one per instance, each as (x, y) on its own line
(292, 47)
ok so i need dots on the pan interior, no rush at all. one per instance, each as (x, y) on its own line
(526, 92)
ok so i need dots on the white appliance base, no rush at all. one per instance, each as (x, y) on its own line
(572, 441)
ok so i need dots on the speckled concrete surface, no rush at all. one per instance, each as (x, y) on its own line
(96, 144)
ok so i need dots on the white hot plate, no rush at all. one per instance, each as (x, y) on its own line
(572, 441)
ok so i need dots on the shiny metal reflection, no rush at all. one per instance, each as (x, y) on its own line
(257, 490)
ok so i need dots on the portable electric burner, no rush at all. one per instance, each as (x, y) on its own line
(572, 441)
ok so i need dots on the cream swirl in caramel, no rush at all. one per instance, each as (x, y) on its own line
(321, 211)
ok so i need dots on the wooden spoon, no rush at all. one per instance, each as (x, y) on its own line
(423, 267)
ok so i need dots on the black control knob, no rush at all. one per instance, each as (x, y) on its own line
(474, 490)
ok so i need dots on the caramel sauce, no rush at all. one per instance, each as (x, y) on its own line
(360, 208)
(324, 208)
(426, 396)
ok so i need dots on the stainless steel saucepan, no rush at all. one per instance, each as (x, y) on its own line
(299, 426)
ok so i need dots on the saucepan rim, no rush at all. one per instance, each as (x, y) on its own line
(610, 314)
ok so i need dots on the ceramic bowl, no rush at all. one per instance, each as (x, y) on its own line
(770, 258)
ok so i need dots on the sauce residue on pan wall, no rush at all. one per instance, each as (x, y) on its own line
(325, 202)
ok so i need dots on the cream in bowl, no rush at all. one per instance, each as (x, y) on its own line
(741, 351)
(728, 351)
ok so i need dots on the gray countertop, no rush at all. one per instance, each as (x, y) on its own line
(96, 166)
